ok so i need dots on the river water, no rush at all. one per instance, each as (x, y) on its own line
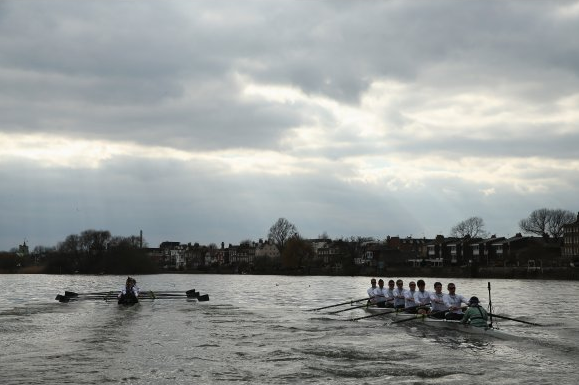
(256, 329)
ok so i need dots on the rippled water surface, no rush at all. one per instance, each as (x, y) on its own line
(256, 329)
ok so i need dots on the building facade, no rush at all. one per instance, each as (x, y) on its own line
(570, 249)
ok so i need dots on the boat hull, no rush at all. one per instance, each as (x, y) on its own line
(395, 316)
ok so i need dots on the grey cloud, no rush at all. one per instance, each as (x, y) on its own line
(165, 74)
(139, 54)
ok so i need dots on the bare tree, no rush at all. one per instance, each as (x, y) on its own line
(94, 240)
(536, 223)
(71, 245)
(130, 242)
(472, 227)
(558, 219)
(281, 231)
(546, 222)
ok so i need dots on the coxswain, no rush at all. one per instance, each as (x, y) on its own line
(453, 301)
(475, 315)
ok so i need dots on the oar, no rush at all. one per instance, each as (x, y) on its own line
(348, 309)
(153, 294)
(73, 294)
(374, 315)
(63, 298)
(189, 293)
(340, 304)
(409, 318)
(199, 297)
(513, 319)
(394, 311)
(418, 316)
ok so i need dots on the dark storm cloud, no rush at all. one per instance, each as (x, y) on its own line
(148, 57)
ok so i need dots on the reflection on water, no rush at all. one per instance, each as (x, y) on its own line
(255, 329)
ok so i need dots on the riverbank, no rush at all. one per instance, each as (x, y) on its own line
(554, 273)
(551, 273)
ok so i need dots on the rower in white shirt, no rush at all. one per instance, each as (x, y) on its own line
(399, 295)
(438, 308)
(422, 297)
(370, 291)
(410, 305)
(380, 294)
(454, 301)
(389, 293)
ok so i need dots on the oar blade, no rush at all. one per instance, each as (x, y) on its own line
(203, 298)
(372, 315)
(62, 298)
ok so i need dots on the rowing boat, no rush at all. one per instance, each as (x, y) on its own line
(189, 295)
(400, 316)
(464, 328)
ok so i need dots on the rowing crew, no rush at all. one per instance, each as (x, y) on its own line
(420, 301)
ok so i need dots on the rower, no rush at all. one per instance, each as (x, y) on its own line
(389, 294)
(438, 308)
(370, 291)
(380, 294)
(453, 301)
(410, 304)
(475, 315)
(422, 297)
(399, 295)
(129, 294)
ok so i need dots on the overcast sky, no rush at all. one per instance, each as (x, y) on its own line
(207, 121)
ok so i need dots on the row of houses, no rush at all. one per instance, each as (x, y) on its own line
(395, 251)
(531, 252)
(177, 256)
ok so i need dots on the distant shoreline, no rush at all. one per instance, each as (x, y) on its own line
(551, 273)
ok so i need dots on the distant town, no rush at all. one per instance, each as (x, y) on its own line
(285, 252)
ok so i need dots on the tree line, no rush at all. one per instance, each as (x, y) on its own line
(90, 252)
(97, 251)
